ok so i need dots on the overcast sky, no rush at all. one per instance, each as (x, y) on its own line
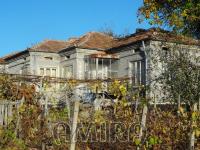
(24, 23)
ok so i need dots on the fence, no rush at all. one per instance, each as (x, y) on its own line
(6, 110)
(147, 118)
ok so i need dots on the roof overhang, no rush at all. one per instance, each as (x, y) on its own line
(104, 56)
(6, 58)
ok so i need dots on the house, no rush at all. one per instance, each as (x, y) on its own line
(100, 56)
(59, 58)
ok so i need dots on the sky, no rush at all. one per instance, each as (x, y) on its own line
(24, 23)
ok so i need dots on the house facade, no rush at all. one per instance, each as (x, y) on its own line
(100, 56)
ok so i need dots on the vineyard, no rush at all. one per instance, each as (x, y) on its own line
(31, 119)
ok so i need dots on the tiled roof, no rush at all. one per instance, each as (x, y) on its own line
(96, 40)
(162, 35)
(49, 46)
(13, 54)
(91, 40)
(155, 34)
(101, 41)
(2, 61)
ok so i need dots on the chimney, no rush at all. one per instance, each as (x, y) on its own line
(138, 30)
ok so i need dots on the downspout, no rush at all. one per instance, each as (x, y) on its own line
(146, 61)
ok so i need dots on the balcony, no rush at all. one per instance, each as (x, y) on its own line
(101, 66)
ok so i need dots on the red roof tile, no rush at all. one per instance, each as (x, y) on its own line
(92, 40)
(49, 46)
(13, 54)
(96, 40)
(101, 41)
(2, 61)
(158, 35)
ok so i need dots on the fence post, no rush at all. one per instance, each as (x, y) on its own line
(143, 122)
(10, 110)
(18, 117)
(6, 114)
(74, 125)
(179, 101)
(1, 114)
(192, 137)
(154, 97)
(136, 103)
(45, 115)
(46, 106)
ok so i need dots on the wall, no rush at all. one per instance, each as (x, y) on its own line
(2, 68)
(42, 60)
(76, 58)
(126, 57)
(17, 64)
(155, 67)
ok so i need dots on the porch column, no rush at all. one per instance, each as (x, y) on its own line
(97, 65)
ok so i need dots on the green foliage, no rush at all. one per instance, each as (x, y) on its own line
(56, 114)
(181, 77)
(7, 88)
(163, 127)
(9, 140)
(180, 15)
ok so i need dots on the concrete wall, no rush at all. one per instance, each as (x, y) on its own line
(31, 62)
(75, 58)
(68, 58)
(127, 58)
(44, 60)
(81, 62)
(2, 68)
(156, 65)
(19, 64)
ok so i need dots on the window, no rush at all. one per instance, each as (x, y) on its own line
(53, 72)
(165, 57)
(48, 72)
(137, 50)
(24, 70)
(41, 71)
(48, 58)
(68, 72)
(67, 57)
(165, 52)
(137, 72)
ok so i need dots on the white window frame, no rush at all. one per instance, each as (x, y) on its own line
(135, 71)
(64, 72)
(51, 71)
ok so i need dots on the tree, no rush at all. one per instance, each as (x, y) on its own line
(181, 76)
(181, 16)
(108, 30)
